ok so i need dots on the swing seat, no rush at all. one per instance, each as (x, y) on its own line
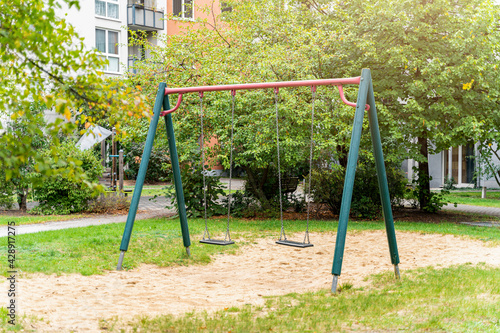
(216, 241)
(293, 243)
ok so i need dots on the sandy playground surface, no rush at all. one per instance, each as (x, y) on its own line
(77, 303)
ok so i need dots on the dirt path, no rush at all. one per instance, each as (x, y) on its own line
(76, 303)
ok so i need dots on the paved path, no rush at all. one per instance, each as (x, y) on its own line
(490, 211)
(147, 209)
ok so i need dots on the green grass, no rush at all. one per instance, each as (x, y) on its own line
(95, 249)
(32, 219)
(474, 198)
(456, 299)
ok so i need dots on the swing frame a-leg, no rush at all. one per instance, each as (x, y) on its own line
(365, 97)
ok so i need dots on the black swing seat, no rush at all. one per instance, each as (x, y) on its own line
(293, 243)
(216, 241)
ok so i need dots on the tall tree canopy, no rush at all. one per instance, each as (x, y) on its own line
(435, 66)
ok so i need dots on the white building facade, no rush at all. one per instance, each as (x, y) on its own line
(104, 25)
(459, 163)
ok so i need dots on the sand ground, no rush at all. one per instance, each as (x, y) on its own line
(76, 303)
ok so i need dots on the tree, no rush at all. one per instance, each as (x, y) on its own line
(434, 66)
(44, 62)
(19, 186)
(258, 41)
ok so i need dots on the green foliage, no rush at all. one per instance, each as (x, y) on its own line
(449, 184)
(60, 193)
(44, 62)
(435, 200)
(108, 203)
(159, 167)
(18, 187)
(194, 195)
(242, 204)
(328, 185)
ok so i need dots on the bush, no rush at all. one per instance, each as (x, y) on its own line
(159, 167)
(435, 200)
(242, 205)
(61, 194)
(192, 184)
(108, 203)
(328, 185)
(268, 193)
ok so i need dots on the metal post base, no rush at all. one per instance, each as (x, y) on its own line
(396, 272)
(334, 284)
(188, 251)
(120, 261)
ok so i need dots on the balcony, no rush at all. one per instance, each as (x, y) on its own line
(143, 15)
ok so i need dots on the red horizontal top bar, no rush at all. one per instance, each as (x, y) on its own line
(247, 86)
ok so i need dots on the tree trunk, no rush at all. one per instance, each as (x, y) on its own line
(22, 196)
(424, 192)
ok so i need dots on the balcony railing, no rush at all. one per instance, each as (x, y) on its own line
(143, 15)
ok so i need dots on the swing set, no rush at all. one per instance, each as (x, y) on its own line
(365, 101)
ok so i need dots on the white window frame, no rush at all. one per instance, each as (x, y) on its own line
(183, 11)
(106, 8)
(106, 54)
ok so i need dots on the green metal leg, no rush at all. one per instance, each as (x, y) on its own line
(352, 161)
(382, 180)
(177, 176)
(141, 175)
(365, 95)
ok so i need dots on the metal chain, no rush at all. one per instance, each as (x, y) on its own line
(203, 169)
(308, 198)
(282, 233)
(228, 235)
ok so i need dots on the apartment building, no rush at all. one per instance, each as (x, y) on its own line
(105, 25)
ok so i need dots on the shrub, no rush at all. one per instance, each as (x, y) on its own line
(108, 203)
(265, 188)
(192, 184)
(328, 185)
(159, 167)
(435, 200)
(242, 204)
(61, 194)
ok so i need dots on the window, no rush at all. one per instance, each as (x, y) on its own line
(106, 42)
(183, 8)
(225, 7)
(107, 8)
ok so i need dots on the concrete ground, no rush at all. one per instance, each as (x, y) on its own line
(149, 207)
